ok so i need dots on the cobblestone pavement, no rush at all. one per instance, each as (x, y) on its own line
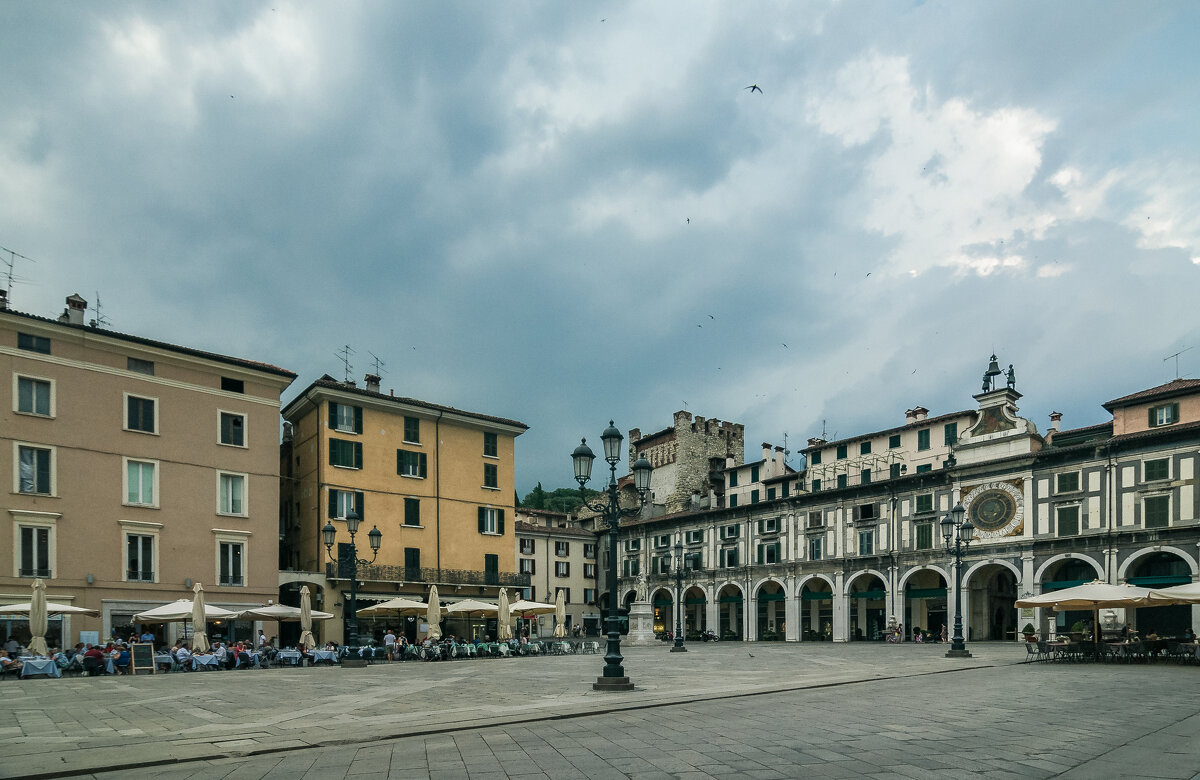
(836, 711)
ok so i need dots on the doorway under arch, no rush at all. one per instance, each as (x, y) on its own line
(867, 608)
(729, 612)
(992, 603)
(1161, 570)
(770, 625)
(925, 597)
(816, 610)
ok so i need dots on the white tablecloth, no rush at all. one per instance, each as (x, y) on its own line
(322, 655)
(205, 660)
(290, 656)
(32, 667)
(254, 659)
(162, 659)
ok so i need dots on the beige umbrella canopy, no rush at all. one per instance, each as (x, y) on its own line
(37, 618)
(306, 618)
(179, 611)
(283, 613)
(560, 615)
(199, 624)
(1188, 593)
(1094, 595)
(52, 609)
(503, 617)
(397, 606)
(531, 608)
(433, 614)
(469, 606)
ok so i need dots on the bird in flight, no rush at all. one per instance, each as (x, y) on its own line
(755, 88)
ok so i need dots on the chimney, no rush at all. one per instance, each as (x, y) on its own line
(76, 307)
(766, 452)
(372, 381)
(1055, 421)
(916, 414)
(780, 457)
(816, 442)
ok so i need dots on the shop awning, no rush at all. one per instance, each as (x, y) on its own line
(869, 594)
(816, 595)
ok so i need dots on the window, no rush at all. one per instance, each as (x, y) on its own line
(768, 553)
(693, 561)
(33, 343)
(730, 531)
(951, 433)
(841, 480)
(1156, 511)
(866, 511)
(347, 419)
(343, 502)
(527, 546)
(140, 483)
(35, 470)
(562, 569)
(491, 569)
(140, 366)
(923, 439)
(768, 525)
(589, 571)
(1067, 483)
(816, 486)
(35, 552)
(729, 557)
(566, 599)
(816, 519)
(841, 451)
(490, 449)
(1068, 520)
(784, 488)
(1154, 470)
(345, 454)
(139, 558)
(491, 521)
(631, 567)
(894, 471)
(411, 464)
(924, 468)
(231, 385)
(139, 414)
(527, 566)
(815, 458)
(233, 429)
(753, 496)
(633, 545)
(754, 473)
(412, 430)
(491, 476)
(1167, 414)
(662, 541)
(924, 540)
(733, 479)
(864, 448)
(694, 537)
(412, 512)
(894, 441)
(924, 503)
(562, 549)
(412, 563)
(589, 551)
(589, 595)
(35, 396)
(814, 548)
(866, 542)
(231, 499)
(230, 556)
(866, 477)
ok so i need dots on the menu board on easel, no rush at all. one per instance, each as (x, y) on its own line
(141, 658)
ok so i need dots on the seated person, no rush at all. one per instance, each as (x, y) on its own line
(183, 656)
(9, 664)
(243, 656)
(221, 654)
(93, 659)
(122, 661)
(1189, 635)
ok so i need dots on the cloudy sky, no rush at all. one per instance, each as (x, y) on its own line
(566, 212)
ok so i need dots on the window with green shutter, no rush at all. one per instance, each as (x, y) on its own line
(816, 486)
(412, 511)
(1156, 511)
(894, 471)
(864, 448)
(924, 468)
(754, 473)
(1067, 482)
(923, 439)
(894, 441)
(925, 503)
(346, 454)
(770, 494)
(490, 448)
(1068, 520)
(1167, 414)
(411, 464)
(343, 502)
(841, 451)
(732, 499)
(412, 430)
(951, 432)
(345, 418)
(1159, 468)
(924, 536)
(753, 496)
(491, 475)
(841, 480)
(815, 458)
(866, 477)
(733, 479)
(491, 520)
(783, 490)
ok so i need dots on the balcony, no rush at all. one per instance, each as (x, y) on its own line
(431, 576)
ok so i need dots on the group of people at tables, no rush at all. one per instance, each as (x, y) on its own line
(1130, 642)
(110, 658)
(398, 648)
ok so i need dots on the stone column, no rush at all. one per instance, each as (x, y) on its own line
(841, 623)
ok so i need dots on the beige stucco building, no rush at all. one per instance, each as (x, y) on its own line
(437, 482)
(135, 469)
(558, 554)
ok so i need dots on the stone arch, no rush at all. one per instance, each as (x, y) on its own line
(991, 562)
(1123, 570)
(904, 578)
(731, 613)
(856, 576)
(867, 607)
(769, 614)
(809, 578)
(777, 580)
(1050, 562)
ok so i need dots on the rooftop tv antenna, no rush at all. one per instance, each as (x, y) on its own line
(1176, 356)
(99, 321)
(10, 262)
(376, 364)
(343, 355)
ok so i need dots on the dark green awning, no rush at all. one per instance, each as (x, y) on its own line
(816, 595)
(1062, 584)
(1160, 582)
(926, 593)
(772, 597)
(869, 594)
(695, 600)
(730, 599)
(663, 602)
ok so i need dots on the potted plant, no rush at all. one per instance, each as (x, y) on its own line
(1030, 634)
(1077, 631)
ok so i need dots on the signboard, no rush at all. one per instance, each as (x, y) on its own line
(89, 637)
(141, 657)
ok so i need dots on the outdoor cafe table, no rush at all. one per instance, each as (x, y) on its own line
(323, 655)
(253, 659)
(36, 666)
(291, 656)
(162, 659)
(208, 661)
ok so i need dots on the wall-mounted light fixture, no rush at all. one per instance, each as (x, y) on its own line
(187, 583)
(90, 579)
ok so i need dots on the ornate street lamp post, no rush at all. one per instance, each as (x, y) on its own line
(614, 678)
(958, 531)
(678, 648)
(375, 537)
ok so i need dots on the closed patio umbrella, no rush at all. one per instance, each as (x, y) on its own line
(503, 617)
(306, 618)
(560, 615)
(199, 621)
(37, 619)
(433, 614)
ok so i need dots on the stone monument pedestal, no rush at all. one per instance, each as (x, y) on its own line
(641, 625)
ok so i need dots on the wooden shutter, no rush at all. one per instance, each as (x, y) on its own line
(500, 521)
(333, 503)
(359, 505)
(421, 464)
(1175, 412)
(332, 414)
(1151, 420)
(482, 519)
(358, 461)
(358, 419)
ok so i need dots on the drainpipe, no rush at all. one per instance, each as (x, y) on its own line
(437, 488)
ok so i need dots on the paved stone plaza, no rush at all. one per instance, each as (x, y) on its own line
(721, 710)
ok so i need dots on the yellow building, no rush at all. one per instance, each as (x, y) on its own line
(437, 482)
(136, 468)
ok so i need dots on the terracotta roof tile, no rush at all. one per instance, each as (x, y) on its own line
(1170, 389)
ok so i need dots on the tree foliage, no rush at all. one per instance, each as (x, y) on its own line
(564, 500)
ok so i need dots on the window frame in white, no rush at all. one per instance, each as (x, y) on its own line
(1170, 507)
(562, 549)
(245, 478)
(589, 571)
(1077, 473)
(145, 532)
(693, 536)
(125, 413)
(52, 400)
(126, 462)
(221, 429)
(770, 525)
(527, 566)
(53, 450)
(491, 521)
(227, 536)
(866, 533)
(562, 568)
(337, 423)
(633, 545)
(526, 546)
(726, 553)
(819, 542)
(662, 541)
(33, 519)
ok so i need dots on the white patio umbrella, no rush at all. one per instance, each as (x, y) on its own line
(284, 613)
(306, 636)
(524, 607)
(37, 618)
(560, 615)
(179, 611)
(52, 609)
(1094, 595)
(503, 617)
(470, 606)
(397, 606)
(1188, 593)
(199, 621)
(433, 614)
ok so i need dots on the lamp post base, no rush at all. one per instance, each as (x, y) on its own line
(678, 649)
(612, 684)
(958, 653)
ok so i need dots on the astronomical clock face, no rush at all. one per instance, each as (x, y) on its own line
(995, 509)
